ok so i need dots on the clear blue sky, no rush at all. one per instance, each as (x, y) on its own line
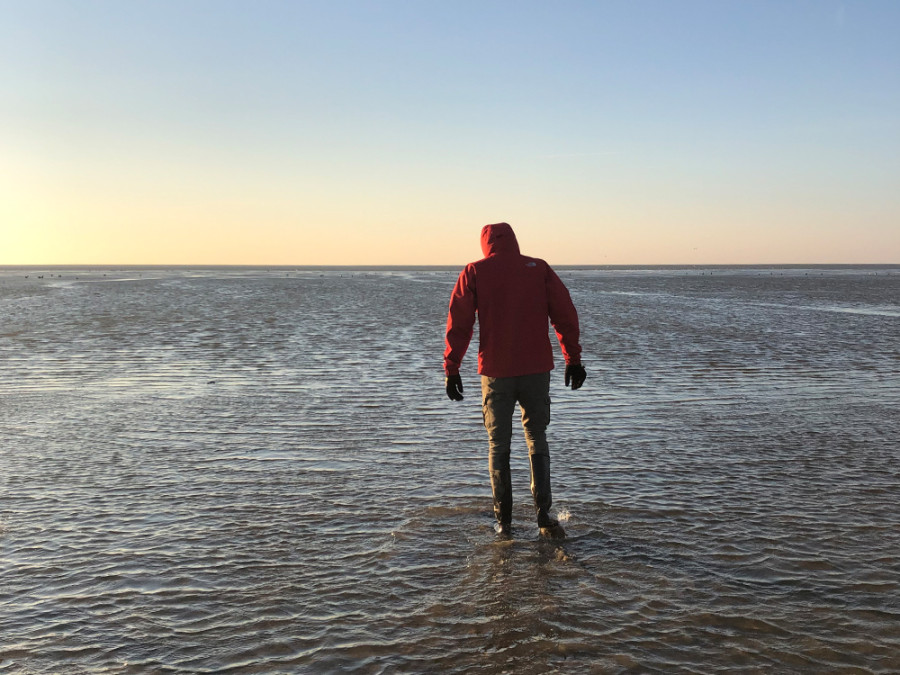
(646, 131)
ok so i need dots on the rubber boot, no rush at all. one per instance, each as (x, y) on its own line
(543, 498)
(501, 487)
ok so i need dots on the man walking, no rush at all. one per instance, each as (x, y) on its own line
(513, 296)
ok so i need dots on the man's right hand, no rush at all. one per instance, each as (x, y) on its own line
(454, 387)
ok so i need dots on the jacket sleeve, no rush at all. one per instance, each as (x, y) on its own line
(460, 320)
(564, 317)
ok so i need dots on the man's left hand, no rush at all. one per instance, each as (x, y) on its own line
(576, 374)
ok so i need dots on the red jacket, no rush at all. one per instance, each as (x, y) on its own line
(513, 296)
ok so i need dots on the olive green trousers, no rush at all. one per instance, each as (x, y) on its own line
(499, 396)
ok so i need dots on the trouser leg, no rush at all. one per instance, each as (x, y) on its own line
(540, 488)
(534, 399)
(498, 404)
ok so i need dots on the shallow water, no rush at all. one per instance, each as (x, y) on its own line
(252, 471)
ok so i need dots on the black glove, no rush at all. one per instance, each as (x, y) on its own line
(576, 374)
(454, 387)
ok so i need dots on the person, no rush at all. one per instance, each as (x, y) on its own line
(513, 297)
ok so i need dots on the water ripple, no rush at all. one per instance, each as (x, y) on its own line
(256, 472)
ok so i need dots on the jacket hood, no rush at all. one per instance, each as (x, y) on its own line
(498, 238)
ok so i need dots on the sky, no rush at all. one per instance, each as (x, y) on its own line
(389, 132)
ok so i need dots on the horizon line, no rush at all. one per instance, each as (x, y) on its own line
(435, 265)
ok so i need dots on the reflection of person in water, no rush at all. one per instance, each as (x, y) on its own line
(513, 296)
